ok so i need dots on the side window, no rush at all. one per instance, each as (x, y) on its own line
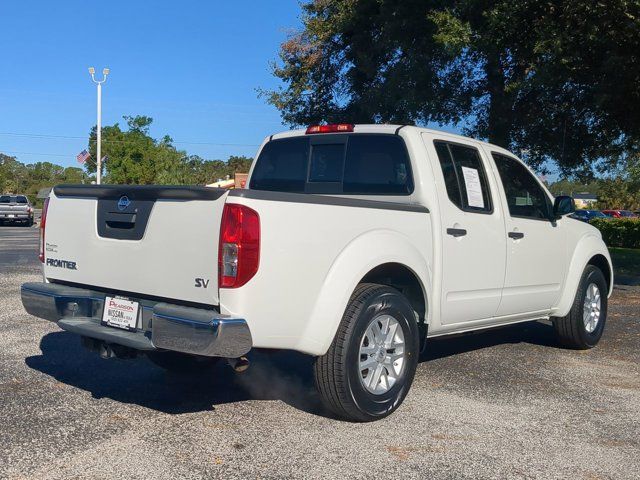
(525, 196)
(464, 177)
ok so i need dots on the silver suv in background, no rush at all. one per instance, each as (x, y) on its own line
(15, 209)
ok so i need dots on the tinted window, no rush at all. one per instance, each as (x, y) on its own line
(21, 199)
(327, 162)
(525, 196)
(377, 164)
(282, 166)
(364, 164)
(5, 199)
(464, 177)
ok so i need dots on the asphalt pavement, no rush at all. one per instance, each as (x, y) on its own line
(507, 403)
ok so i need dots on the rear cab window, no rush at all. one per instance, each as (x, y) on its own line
(5, 199)
(21, 199)
(352, 164)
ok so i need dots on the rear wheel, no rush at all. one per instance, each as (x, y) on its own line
(182, 363)
(368, 369)
(583, 326)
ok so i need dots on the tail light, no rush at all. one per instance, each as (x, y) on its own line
(239, 254)
(334, 128)
(43, 221)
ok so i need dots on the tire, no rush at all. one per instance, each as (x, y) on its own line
(578, 329)
(182, 363)
(30, 222)
(339, 376)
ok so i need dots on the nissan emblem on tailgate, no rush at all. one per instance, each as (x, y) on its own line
(123, 203)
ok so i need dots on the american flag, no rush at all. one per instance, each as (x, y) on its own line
(83, 156)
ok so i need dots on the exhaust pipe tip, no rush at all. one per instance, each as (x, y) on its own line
(239, 364)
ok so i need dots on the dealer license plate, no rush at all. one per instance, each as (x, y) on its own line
(120, 313)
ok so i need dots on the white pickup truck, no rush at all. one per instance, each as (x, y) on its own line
(354, 244)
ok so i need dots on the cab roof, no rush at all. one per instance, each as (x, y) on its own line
(388, 129)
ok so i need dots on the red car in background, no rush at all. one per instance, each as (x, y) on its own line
(619, 213)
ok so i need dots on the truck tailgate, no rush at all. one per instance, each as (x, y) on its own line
(149, 240)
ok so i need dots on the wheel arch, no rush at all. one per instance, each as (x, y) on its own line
(381, 256)
(403, 279)
(591, 250)
(604, 265)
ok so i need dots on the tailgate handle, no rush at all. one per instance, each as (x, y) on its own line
(123, 221)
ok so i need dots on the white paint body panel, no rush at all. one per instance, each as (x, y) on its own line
(473, 265)
(312, 256)
(180, 244)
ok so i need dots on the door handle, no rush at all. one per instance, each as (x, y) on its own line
(516, 235)
(456, 232)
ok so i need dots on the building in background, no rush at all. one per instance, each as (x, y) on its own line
(239, 180)
(584, 199)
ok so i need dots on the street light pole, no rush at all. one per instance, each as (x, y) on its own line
(105, 72)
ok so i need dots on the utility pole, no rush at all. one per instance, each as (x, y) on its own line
(105, 72)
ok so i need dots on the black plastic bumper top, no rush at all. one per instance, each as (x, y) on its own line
(160, 326)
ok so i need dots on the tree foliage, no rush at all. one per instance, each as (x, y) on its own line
(552, 80)
(16, 177)
(567, 186)
(622, 189)
(134, 157)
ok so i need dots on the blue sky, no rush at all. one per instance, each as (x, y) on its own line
(193, 66)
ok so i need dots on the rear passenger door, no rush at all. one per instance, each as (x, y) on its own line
(536, 244)
(472, 232)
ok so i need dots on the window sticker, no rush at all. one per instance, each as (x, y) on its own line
(474, 189)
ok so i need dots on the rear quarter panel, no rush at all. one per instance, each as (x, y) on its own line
(312, 257)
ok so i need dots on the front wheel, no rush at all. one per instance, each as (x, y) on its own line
(582, 327)
(368, 369)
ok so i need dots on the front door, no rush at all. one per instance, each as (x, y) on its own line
(536, 245)
(473, 232)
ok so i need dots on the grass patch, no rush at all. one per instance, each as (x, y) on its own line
(626, 261)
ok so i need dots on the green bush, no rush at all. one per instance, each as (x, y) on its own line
(619, 232)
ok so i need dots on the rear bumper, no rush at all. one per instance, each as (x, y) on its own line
(161, 326)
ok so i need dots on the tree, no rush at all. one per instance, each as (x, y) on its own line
(134, 157)
(622, 189)
(16, 177)
(567, 186)
(551, 80)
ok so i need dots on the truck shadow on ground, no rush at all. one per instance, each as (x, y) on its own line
(282, 375)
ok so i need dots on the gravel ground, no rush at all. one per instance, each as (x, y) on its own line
(502, 404)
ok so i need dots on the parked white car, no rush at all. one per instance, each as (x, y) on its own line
(354, 244)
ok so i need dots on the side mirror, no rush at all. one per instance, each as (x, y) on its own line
(563, 205)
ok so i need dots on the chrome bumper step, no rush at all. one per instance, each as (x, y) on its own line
(161, 326)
